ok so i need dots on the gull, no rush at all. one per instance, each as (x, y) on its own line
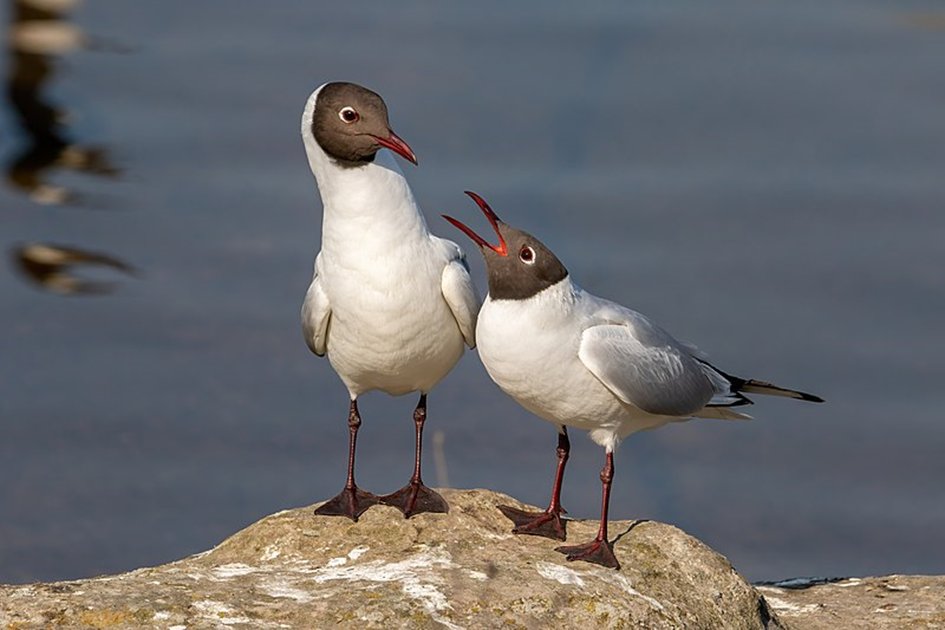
(575, 359)
(390, 304)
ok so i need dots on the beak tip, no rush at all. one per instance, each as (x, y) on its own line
(396, 144)
(501, 249)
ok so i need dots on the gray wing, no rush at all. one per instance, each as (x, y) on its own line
(316, 315)
(460, 294)
(645, 367)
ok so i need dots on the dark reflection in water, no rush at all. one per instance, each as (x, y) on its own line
(39, 33)
(51, 267)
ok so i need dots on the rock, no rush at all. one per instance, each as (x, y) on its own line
(460, 570)
(895, 601)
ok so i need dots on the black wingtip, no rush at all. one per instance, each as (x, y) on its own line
(770, 389)
(751, 385)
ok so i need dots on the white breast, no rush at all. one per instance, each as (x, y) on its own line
(530, 349)
(390, 326)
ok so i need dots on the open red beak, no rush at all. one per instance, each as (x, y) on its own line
(397, 145)
(501, 248)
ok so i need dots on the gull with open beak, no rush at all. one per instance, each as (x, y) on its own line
(578, 360)
(390, 304)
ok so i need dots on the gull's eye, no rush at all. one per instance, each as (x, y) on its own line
(349, 115)
(527, 255)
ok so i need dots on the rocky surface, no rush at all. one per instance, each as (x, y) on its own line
(461, 570)
(895, 601)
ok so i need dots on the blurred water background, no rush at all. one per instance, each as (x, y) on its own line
(764, 179)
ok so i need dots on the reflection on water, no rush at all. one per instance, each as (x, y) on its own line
(51, 267)
(39, 33)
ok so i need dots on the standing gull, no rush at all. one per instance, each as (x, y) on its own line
(575, 359)
(390, 304)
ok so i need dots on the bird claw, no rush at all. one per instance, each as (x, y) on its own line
(548, 524)
(416, 498)
(597, 551)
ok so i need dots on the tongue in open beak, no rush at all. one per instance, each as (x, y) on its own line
(494, 220)
(397, 145)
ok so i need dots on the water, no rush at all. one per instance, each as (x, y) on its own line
(765, 180)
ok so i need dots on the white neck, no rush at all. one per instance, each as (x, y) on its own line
(367, 197)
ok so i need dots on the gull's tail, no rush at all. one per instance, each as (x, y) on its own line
(731, 390)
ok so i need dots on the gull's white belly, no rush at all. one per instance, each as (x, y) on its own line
(538, 366)
(396, 336)
(532, 354)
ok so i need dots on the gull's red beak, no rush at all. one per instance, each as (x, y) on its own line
(397, 145)
(501, 248)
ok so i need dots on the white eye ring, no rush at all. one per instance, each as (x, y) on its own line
(349, 115)
(527, 255)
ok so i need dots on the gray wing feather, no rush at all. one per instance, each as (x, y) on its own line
(693, 349)
(316, 315)
(460, 294)
(645, 367)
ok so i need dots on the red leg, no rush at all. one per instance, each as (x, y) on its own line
(599, 550)
(548, 523)
(351, 501)
(416, 498)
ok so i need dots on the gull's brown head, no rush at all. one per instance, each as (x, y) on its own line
(519, 265)
(350, 124)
